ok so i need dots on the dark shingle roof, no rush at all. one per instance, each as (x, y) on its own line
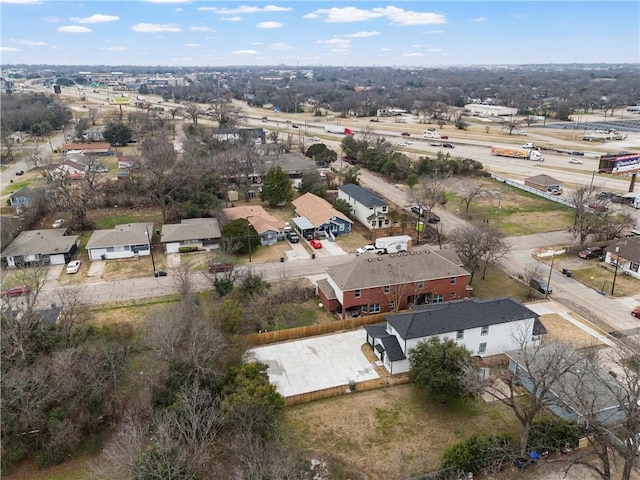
(363, 196)
(439, 318)
(392, 347)
(543, 179)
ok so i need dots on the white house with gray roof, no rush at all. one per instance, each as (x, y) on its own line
(484, 327)
(369, 208)
(122, 241)
(203, 233)
(40, 247)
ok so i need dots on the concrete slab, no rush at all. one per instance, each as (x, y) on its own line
(316, 363)
(96, 269)
(173, 260)
(297, 252)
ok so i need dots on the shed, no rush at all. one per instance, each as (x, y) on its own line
(544, 183)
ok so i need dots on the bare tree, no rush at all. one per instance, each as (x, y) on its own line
(74, 311)
(541, 368)
(585, 218)
(470, 196)
(92, 115)
(531, 271)
(78, 195)
(193, 111)
(479, 246)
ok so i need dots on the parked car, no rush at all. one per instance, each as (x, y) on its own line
(636, 312)
(432, 218)
(405, 134)
(220, 267)
(540, 285)
(576, 161)
(17, 291)
(579, 154)
(606, 194)
(20, 172)
(598, 207)
(591, 252)
(315, 139)
(308, 235)
(58, 223)
(417, 209)
(73, 266)
(295, 126)
(160, 273)
(448, 145)
(366, 248)
(317, 244)
(293, 237)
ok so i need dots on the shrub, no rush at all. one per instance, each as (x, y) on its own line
(187, 249)
(477, 452)
(553, 434)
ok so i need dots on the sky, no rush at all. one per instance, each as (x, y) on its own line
(400, 33)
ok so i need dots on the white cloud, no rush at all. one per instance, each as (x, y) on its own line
(97, 18)
(413, 54)
(337, 42)
(311, 15)
(196, 28)
(179, 9)
(399, 16)
(396, 15)
(435, 31)
(281, 46)
(479, 19)
(156, 27)
(8, 49)
(246, 52)
(192, 45)
(168, 1)
(244, 9)
(181, 59)
(434, 50)
(117, 49)
(256, 43)
(31, 43)
(347, 14)
(361, 35)
(23, 2)
(74, 29)
(230, 19)
(269, 25)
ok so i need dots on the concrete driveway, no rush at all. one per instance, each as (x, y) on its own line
(297, 252)
(316, 363)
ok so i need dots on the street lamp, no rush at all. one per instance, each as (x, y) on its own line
(249, 235)
(153, 263)
(613, 286)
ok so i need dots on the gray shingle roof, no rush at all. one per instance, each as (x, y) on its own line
(40, 242)
(389, 342)
(370, 270)
(363, 196)
(191, 229)
(128, 234)
(439, 318)
(543, 179)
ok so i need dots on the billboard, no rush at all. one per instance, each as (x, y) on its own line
(119, 101)
(619, 164)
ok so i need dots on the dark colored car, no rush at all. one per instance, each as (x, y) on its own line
(444, 137)
(293, 237)
(606, 194)
(591, 252)
(20, 172)
(433, 218)
(160, 273)
(17, 291)
(405, 134)
(598, 208)
(308, 235)
(580, 154)
(220, 267)
(540, 285)
(448, 145)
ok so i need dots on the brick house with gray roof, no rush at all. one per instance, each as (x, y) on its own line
(368, 207)
(385, 283)
(484, 327)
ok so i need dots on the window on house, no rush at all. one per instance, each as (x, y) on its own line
(387, 289)
(439, 298)
(452, 295)
(482, 348)
(452, 281)
(364, 308)
(356, 293)
(485, 330)
(420, 285)
(459, 334)
(374, 308)
(392, 305)
(634, 267)
(428, 298)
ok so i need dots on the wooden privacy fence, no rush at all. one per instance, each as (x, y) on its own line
(345, 389)
(264, 338)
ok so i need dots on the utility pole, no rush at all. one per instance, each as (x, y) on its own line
(615, 275)
(546, 292)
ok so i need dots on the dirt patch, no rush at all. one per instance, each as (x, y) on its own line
(561, 330)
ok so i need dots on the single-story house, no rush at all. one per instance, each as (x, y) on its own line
(594, 385)
(203, 233)
(24, 196)
(544, 183)
(368, 207)
(384, 283)
(626, 253)
(234, 135)
(295, 165)
(484, 327)
(268, 227)
(122, 241)
(68, 169)
(315, 214)
(95, 148)
(40, 247)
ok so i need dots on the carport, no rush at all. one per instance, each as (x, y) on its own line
(316, 363)
(303, 225)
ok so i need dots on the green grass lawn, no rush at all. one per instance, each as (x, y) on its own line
(127, 216)
(601, 279)
(15, 186)
(497, 284)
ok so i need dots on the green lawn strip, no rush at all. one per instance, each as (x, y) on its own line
(497, 284)
(125, 217)
(15, 186)
(601, 279)
(133, 309)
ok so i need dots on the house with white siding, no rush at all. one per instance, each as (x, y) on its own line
(203, 233)
(484, 327)
(369, 208)
(40, 247)
(122, 241)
